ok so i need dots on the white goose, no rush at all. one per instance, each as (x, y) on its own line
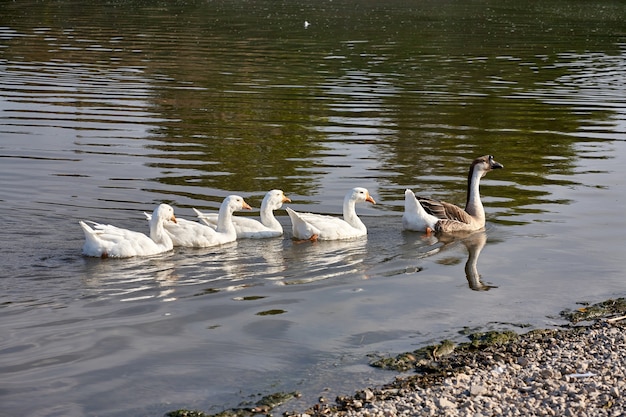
(106, 241)
(197, 235)
(251, 228)
(308, 226)
(425, 214)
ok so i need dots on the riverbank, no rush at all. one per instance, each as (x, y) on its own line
(575, 371)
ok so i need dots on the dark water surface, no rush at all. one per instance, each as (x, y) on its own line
(109, 108)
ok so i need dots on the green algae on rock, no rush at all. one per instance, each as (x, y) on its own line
(604, 309)
(482, 339)
(426, 358)
(263, 406)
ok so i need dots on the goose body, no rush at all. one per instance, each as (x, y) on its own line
(308, 226)
(197, 235)
(248, 228)
(107, 241)
(425, 214)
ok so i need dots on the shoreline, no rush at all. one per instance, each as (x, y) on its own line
(575, 370)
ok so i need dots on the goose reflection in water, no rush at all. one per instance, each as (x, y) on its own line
(474, 242)
(324, 260)
(135, 279)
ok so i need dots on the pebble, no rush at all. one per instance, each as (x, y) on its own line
(534, 380)
(477, 389)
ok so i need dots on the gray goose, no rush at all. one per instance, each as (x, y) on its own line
(428, 215)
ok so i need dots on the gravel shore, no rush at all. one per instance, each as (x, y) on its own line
(575, 370)
(579, 371)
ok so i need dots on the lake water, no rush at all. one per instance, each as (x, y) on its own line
(109, 108)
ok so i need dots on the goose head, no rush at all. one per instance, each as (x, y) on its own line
(274, 199)
(484, 164)
(164, 212)
(360, 195)
(236, 203)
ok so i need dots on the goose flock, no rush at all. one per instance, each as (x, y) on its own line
(166, 231)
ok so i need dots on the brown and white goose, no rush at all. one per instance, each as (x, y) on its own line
(425, 214)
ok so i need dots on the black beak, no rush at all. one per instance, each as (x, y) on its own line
(494, 164)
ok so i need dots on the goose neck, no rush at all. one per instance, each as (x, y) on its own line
(473, 204)
(267, 216)
(158, 233)
(225, 219)
(349, 213)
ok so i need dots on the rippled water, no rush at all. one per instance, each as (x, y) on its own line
(107, 109)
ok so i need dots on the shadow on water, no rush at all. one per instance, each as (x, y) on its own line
(223, 118)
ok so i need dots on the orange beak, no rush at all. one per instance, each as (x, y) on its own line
(245, 206)
(286, 199)
(173, 219)
(370, 199)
